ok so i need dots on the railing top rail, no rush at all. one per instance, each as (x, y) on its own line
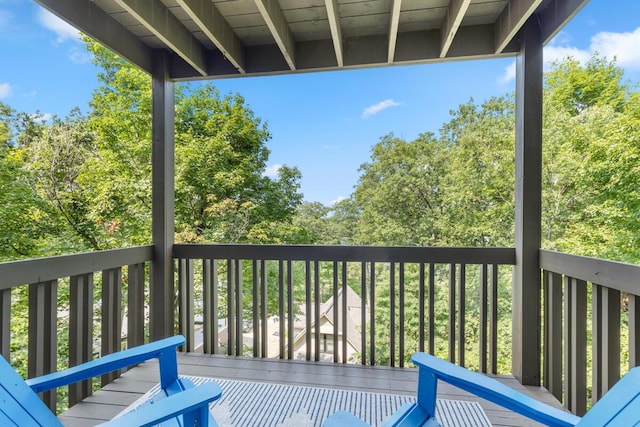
(464, 255)
(16, 273)
(612, 274)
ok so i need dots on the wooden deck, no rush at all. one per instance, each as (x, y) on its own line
(106, 403)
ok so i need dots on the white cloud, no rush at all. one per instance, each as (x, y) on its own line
(5, 90)
(337, 200)
(509, 74)
(621, 46)
(5, 20)
(41, 117)
(376, 108)
(558, 53)
(272, 171)
(79, 56)
(63, 30)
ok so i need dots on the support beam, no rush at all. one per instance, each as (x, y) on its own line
(556, 15)
(336, 29)
(274, 18)
(396, 5)
(528, 202)
(157, 18)
(513, 17)
(162, 161)
(455, 13)
(94, 22)
(208, 18)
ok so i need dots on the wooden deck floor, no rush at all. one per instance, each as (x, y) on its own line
(115, 397)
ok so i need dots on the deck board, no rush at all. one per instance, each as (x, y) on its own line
(116, 396)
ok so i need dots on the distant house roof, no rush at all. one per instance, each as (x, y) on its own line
(354, 317)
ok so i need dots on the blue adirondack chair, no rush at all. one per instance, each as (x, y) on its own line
(182, 404)
(619, 407)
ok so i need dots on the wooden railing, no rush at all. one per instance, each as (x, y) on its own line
(47, 301)
(584, 337)
(391, 297)
(395, 300)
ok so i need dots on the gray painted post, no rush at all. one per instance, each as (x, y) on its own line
(528, 200)
(162, 160)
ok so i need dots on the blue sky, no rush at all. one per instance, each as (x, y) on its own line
(323, 123)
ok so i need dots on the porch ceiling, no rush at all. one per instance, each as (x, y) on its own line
(228, 38)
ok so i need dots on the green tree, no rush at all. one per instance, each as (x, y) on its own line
(478, 177)
(398, 192)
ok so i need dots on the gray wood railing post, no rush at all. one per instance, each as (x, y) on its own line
(43, 354)
(111, 339)
(162, 160)
(80, 331)
(5, 323)
(528, 187)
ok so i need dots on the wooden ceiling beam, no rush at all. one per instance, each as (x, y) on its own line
(396, 5)
(208, 18)
(556, 15)
(512, 18)
(94, 22)
(274, 18)
(155, 17)
(336, 30)
(455, 13)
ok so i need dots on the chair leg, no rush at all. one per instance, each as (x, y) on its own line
(198, 418)
(427, 389)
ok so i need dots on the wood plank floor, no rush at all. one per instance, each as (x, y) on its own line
(106, 403)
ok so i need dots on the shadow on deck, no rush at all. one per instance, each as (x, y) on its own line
(116, 396)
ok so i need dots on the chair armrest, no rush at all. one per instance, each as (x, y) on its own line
(162, 349)
(188, 401)
(494, 391)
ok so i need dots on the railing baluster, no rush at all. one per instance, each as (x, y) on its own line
(111, 317)
(493, 321)
(577, 351)
(569, 370)
(210, 306)
(231, 307)
(239, 309)
(452, 313)
(432, 309)
(392, 314)
(421, 307)
(634, 331)
(5, 323)
(363, 312)
(596, 342)
(316, 310)
(281, 307)
(606, 340)
(80, 331)
(345, 318)
(461, 314)
(263, 310)
(372, 315)
(135, 304)
(186, 322)
(484, 306)
(290, 314)
(307, 299)
(552, 283)
(335, 311)
(42, 347)
(401, 315)
(255, 308)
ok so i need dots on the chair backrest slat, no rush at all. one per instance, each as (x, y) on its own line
(20, 404)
